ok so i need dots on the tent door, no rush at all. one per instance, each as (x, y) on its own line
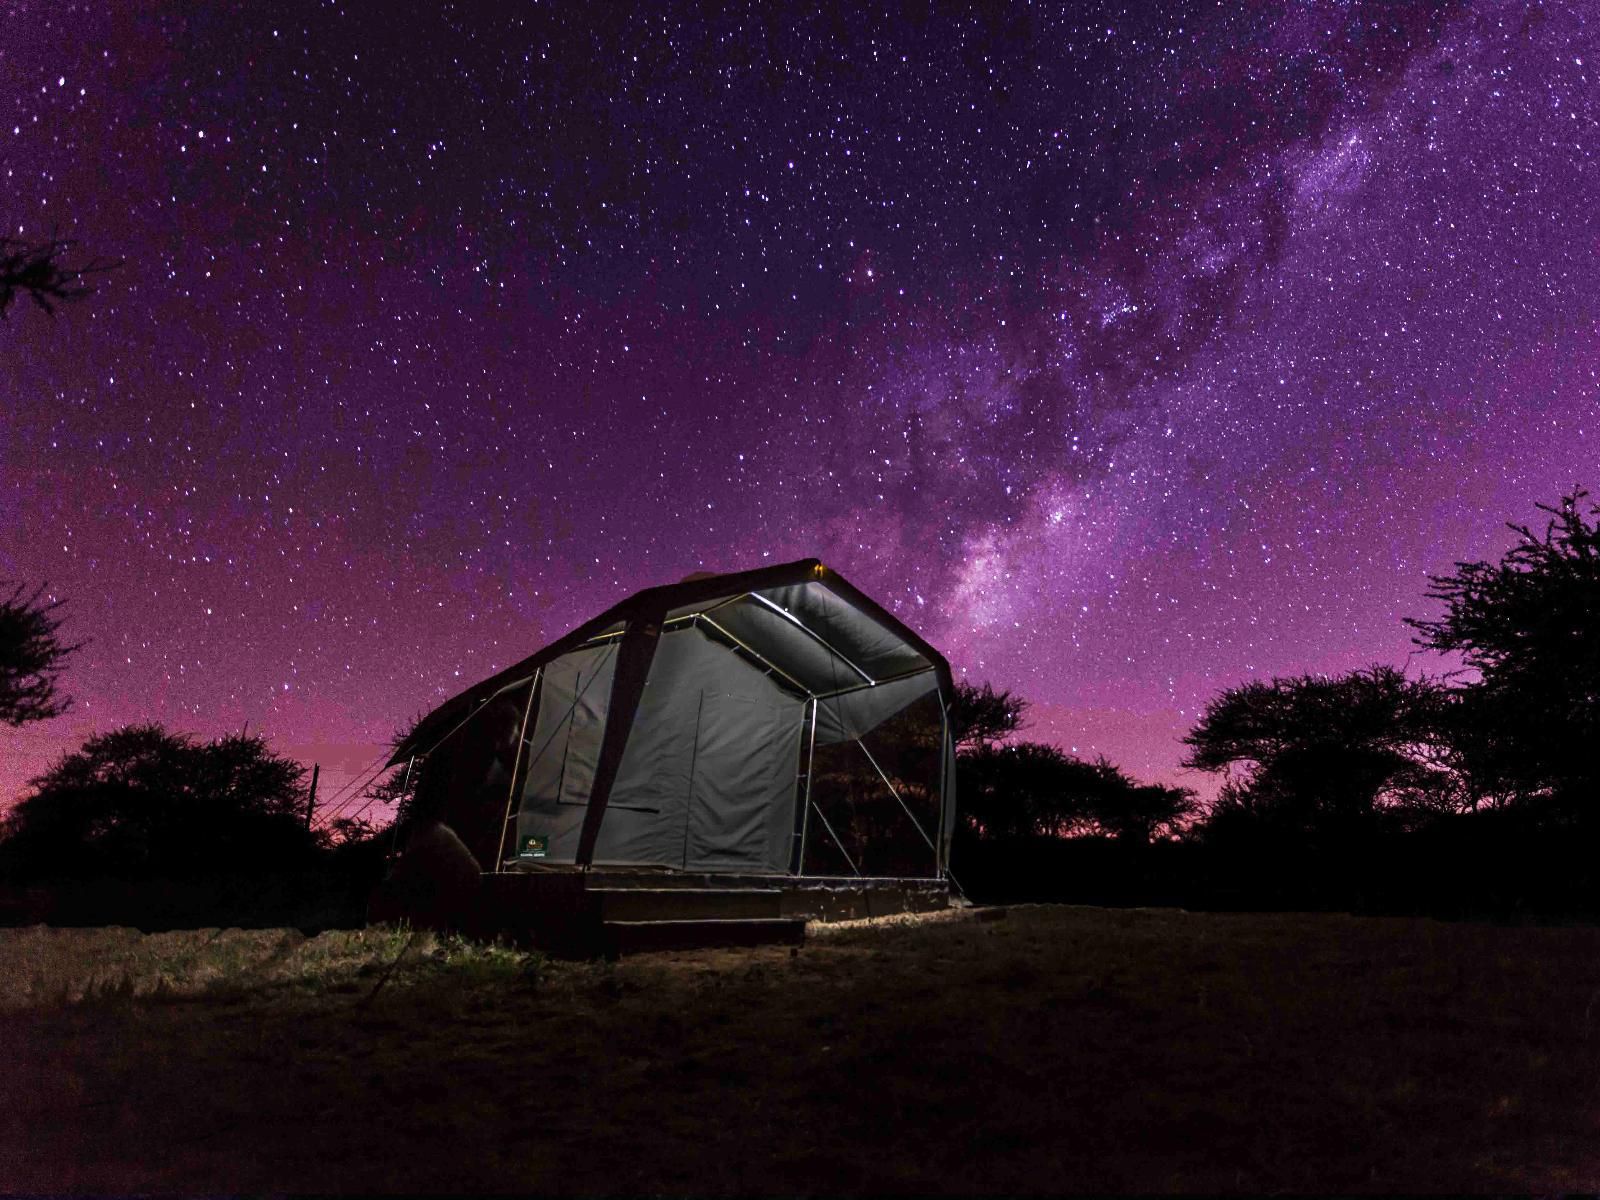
(740, 806)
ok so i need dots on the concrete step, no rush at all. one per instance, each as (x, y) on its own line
(687, 904)
(639, 937)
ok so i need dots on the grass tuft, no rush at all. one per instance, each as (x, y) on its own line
(56, 968)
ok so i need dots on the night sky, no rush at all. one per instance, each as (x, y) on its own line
(1126, 353)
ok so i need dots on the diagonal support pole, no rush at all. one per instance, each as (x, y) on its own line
(798, 867)
(896, 795)
(821, 816)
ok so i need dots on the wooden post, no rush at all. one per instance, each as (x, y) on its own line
(311, 800)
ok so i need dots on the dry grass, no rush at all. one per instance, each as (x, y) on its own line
(47, 968)
(1062, 1049)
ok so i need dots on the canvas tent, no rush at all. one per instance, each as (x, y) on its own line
(682, 729)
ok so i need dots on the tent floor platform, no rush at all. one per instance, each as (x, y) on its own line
(575, 913)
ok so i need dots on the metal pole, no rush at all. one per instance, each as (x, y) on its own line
(805, 809)
(939, 864)
(516, 765)
(394, 825)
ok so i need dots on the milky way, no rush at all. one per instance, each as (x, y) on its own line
(1125, 354)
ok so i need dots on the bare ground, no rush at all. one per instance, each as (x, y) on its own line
(1060, 1049)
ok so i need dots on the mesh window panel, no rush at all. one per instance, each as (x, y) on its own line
(861, 820)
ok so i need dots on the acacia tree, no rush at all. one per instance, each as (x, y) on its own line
(1135, 813)
(32, 655)
(1025, 789)
(1013, 789)
(1529, 625)
(1029, 789)
(1325, 754)
(39, 271)
(142, 801)
(394, 792)
(980, 716)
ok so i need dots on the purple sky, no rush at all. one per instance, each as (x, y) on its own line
(1126, 355)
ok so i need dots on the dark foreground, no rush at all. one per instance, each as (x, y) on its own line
(1057, 1050)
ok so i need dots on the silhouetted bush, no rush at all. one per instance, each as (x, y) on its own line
(142, 802)
(1497, 865)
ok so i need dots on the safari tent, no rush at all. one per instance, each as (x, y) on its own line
(772, 722)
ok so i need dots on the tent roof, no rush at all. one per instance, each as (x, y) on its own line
(813, 632)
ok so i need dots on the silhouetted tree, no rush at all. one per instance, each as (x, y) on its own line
(1327, 753)
(385, 806)
(1528, 729)
(1023, 789)
(1029, 789)
(1135, 813)
(39, 271)
(396, 792)
(344, 831)
(31, 657)
(982, 716)
(146, 802)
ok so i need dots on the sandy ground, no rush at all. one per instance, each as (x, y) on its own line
(1059, 1049)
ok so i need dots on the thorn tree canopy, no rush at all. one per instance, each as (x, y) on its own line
(31, 658)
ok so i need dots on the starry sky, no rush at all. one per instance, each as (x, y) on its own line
(1127, 352)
